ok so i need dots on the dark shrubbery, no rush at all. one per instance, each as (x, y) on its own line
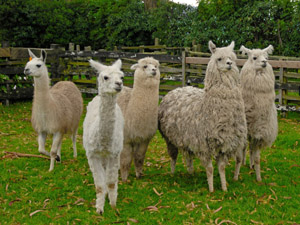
(108, 23)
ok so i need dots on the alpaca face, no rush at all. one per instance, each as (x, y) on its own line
(110, 79)
(258, 57)
(36, 66)
(224, 58)
(149, 67)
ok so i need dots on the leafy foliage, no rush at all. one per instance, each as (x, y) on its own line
(108, 23)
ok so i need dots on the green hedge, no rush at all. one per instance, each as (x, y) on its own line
(108, 23)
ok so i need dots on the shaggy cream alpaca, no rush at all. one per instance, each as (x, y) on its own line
(207, 123)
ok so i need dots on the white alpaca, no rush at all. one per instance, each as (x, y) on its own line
(140, 107)
(258, 81)
(210, 123)
(55, 110)
(103, 133)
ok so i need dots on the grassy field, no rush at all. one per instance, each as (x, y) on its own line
(29, 194)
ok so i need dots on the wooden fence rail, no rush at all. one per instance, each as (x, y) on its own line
(188, 68)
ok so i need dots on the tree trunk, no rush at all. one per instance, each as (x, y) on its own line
(150, 4)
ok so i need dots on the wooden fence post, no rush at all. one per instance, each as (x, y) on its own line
(156, 41)
(183, 68)
(71, 47)
(55, 64)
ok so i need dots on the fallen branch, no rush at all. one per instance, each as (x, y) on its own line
(19, 154)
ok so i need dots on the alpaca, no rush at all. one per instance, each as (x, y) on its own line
(257, 83)
(56, 110)
(103, 133)
(207, 123)
(140, 107)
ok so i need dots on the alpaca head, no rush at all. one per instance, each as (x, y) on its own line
(110, 79)
(36, 67)
(223, 58)
(148, 66)
(258, 57)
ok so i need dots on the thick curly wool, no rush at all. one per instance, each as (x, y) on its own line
(139, 106)
(210, 122)
(258, 81)
(56, 110)
(103, 133)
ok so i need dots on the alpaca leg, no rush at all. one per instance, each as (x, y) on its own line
(251, 158)
(125, 162)
(221, 167)
(189, 162)
(112, 169)
(238, 163)
(57, 139)
(99, 180)
(256, 159)
(139, 157)
(209, 173)
(58, 157)
(173, 153)
(73, 137)
(42, 141)
(244, 156)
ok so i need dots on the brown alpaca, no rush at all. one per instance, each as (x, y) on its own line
(139, 106)
(55, 110)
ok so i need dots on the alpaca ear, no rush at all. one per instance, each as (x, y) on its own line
(244, 50)
(134, 66)
(31, 54)
(96, 65)
(212, 47)
(269, 49)
(231, 45)
(118, 64)
(43, 55)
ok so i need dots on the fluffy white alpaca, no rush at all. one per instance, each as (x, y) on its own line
(56, 110)
(258, 81)
(103, 133)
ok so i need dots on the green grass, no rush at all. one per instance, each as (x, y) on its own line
(67, 195)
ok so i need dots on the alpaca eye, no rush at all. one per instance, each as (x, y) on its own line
(105, 77)
(122, 78)
(145, 66)
(254, 58)
(219, 59)
(38, 65)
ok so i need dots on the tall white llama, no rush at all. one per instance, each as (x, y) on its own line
(56, 110)
(103, 133)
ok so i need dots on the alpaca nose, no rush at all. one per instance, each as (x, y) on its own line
(26, 71)
(264, 63)
(154, 71)
(119, 83)
(229, 63)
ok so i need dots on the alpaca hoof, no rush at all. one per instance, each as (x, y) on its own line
(258, 179)
(235, 178)
(57, 158)
(100, 211)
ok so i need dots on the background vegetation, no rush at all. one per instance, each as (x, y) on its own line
(108, 23)
(29, 194)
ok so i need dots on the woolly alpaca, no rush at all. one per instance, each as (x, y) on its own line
(55, 110)
(103, 133)
(139, 106)
(258, 81)
(209, 123)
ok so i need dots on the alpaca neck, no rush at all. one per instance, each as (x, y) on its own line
(107, 109)
(41, 91)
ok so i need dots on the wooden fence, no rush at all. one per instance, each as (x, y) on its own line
(188, 68)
